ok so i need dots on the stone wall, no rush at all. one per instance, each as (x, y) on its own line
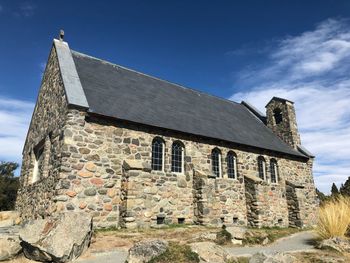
(219, 200)
(35, 199)
(93, 178)
(149, 196)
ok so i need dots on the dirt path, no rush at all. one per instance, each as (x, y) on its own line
(297, 242)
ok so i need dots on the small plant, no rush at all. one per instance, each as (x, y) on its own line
(106, 229)
(177, 253)
(223, 237)
(334, 218)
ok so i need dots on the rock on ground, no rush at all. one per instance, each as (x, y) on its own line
(236, 232)
(210, 252)
(262, 257)
(9, 247)
(57, 240)
(144, 251)
(337, 243)
(8, 218)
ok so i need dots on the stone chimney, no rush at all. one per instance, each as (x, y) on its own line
(281, 119)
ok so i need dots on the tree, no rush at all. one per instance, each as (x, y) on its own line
(345, 188)
(8, 185)
(321, 196)
(334, 190)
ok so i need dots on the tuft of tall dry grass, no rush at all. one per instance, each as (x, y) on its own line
(334, 218)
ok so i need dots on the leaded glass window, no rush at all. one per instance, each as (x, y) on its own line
(274, 171)
(157, 154)
(177, 150)
(262, 167)
(216, 162)
(231, 165)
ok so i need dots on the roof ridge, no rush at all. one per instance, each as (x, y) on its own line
(156, 78)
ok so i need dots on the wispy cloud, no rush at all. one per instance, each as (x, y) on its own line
(1, 8)
(311, 69)
(14, 121)
(25, 9)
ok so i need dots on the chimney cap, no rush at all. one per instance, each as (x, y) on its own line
(61, 35)
(279, 99)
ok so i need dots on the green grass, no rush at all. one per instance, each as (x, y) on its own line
(106, 229)
(176, 253)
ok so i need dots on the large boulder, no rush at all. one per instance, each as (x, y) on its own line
(237, 232)
(337, 243)
(60, 239)
(144, 251)
(278, 257)
(9, 247)
(210, 252)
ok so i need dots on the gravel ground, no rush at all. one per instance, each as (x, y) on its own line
(297, 242)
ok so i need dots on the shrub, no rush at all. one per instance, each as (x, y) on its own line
(8, 185)
(177, 253)
(334, 218)
(223, 237)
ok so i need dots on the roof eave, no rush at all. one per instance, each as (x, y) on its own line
(71, 81)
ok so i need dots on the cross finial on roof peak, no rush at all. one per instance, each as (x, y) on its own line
(61, 36)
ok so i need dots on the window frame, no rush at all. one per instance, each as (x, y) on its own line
(274, 171)
(234, 168)
(162, 143)
(262, 168)
(39, 162)
(182, 147)
(219, 164)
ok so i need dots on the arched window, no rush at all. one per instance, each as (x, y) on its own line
(231, 165)
(274, 171)
(216, 162)
(38, 169)
(277, 114)
(157, 154)
(262, 167)
(177, 157)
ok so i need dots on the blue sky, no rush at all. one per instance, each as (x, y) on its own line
(249, 50)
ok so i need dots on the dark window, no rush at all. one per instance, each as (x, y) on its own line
(216, 162)
(231, 165)
(157, 154)
(262, 167)
(160, 220)
(38, 162)
(274, 171)
(177, 157)
(277, 113)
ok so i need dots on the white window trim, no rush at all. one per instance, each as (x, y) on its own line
(163, 155)
(275, 167)
(35, 175)
(219, 163)
(182, 159)
(220, 169)
(234, 166)
(264, 169)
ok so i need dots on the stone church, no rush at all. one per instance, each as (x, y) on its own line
(136, 151)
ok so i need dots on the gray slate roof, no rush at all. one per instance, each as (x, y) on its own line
(118, 92)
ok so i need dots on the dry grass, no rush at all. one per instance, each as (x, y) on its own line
(334, 218)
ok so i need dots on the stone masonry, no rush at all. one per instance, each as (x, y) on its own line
(102, 166)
